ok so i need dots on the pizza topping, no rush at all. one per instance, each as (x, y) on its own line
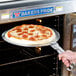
(43, 31)
(21, 33)
(31, 26)
(32, 39)
(30, 32)
(17, 27)
(19, 30)
(25, 32)
(47, 33)
(9, 35)
(25, 28)
(14, 33)
(37, 36)
(25, 36)
(44, 36)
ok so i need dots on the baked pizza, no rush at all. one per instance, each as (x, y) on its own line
(30, 34)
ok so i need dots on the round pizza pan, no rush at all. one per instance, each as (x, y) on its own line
(32, 45)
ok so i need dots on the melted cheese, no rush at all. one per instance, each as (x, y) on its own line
(40, 40)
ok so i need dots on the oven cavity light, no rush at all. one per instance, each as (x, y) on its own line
(38, 50)
(39, 20)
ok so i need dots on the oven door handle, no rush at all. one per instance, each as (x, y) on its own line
(57, 47)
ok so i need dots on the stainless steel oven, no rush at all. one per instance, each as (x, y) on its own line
(33, 61)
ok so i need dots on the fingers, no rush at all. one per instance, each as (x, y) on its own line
(66, 62)
(65, 58)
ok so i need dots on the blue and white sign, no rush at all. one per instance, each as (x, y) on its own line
(32, 12)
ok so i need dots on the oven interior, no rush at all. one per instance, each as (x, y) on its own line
(30, 61)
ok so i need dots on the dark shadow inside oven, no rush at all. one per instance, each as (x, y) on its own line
(26, 61)
(39, 67)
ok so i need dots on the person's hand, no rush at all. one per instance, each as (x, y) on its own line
(68, 57)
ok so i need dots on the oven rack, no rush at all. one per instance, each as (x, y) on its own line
(13, 55)
(24, 60)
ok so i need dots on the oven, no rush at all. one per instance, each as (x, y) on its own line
(33, 61)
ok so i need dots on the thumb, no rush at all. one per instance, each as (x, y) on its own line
(61, 56)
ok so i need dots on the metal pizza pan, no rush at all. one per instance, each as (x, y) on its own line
(32, 45)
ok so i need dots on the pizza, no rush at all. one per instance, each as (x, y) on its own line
(30, 34)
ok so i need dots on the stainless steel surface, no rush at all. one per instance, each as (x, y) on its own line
(7, 9)
(32, 45)
(13, 2)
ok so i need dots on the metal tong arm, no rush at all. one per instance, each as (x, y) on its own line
(60, 50)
